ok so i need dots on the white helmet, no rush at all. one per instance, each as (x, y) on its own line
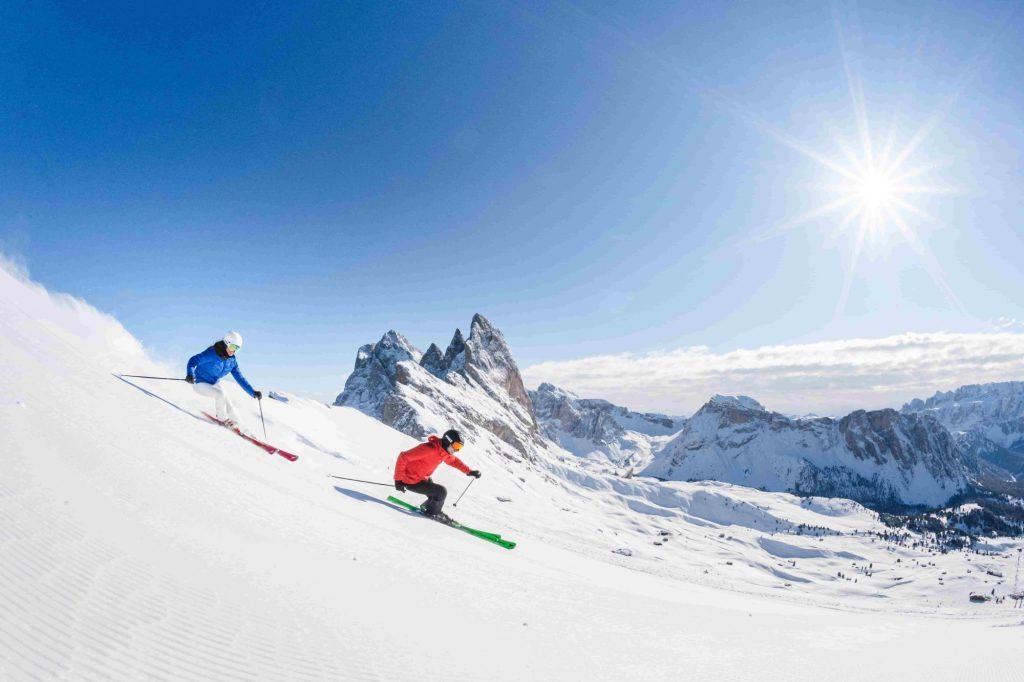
(233, 339)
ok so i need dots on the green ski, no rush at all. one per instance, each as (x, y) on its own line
(483, 535)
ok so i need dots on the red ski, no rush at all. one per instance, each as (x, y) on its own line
(258, 443)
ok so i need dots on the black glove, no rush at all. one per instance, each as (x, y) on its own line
(399, 486)
(257, 395)
(474, 473)
(190, 379)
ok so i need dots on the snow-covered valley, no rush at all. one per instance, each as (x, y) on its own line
(140, 541)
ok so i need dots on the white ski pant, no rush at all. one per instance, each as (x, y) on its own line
(225, 410)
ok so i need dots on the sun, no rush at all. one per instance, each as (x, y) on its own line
(876, 190)
(874, 197)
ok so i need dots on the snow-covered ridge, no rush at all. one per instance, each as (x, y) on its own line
(597, 429)
(880, 458)
(991, 417)
(974, 405)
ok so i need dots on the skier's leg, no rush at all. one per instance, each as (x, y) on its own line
(423, 488)
(435, 493)
(229, 408)
(224, 409)
(211, 391)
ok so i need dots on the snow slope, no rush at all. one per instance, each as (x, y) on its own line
(139, 541)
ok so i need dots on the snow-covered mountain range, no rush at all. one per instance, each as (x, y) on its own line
(880, 458)
(924, 455)
(988, 421)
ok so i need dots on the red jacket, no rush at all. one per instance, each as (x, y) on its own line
(416, 465)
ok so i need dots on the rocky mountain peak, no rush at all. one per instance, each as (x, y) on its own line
(432, 360)
(876, 420)
(727, 410)
(396, 348)
(455, 356)
(474, 385)
(736, 402)
(377, 372)
(551, 389)
(488, 343)
(488, 359)
(481, 325)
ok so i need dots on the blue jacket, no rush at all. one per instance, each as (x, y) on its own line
(209, 367)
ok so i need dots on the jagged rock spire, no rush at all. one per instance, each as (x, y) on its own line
(488, 356)
(433, 361)
(455, 356)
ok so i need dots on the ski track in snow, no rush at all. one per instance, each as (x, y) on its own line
(140, 541)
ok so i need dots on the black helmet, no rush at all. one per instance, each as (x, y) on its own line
(450, 436)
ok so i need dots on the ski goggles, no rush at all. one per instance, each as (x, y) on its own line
(234, 347)
(456, 446)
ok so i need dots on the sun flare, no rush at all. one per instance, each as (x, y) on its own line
(874, 199)
(870, 197)
(875, 204)
(875, 190)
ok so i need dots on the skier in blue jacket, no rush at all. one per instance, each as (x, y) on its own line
(213, 364)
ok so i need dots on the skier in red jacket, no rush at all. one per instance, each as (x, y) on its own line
(414, 467)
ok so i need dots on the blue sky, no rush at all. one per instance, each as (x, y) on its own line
(598, 179)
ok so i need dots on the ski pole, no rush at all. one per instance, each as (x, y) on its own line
(456, 503)
(260, 401)
(138, 376)
(357, 480)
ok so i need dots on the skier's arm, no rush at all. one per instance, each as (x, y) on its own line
(457, 463)
(237, 374)
(193, 363)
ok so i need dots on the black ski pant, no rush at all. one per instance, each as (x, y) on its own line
(435, 492)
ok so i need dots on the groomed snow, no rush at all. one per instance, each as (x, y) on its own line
(138, 541)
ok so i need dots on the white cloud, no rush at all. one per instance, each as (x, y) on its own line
(833, 377)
